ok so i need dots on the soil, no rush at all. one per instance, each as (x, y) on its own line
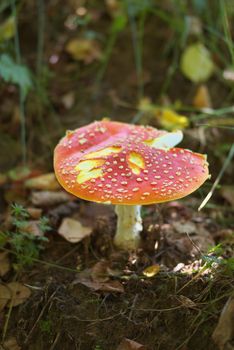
(178, 308)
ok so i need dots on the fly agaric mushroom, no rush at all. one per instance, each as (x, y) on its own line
(129, 166)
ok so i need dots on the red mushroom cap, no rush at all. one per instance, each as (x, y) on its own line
(127, 164)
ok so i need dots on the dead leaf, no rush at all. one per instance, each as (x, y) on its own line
(50, 198)
(186, 302)
(33, 227)
(35, 213)
(224, 331)
(18, 293)
(4, 263)
(5, 296)
(110, 286)
(99, 272)
(11, 344)
(228, 75)
(185, 227)
(151, 271)
(46, 182)
(73, 231)
(3, 179)
(86, 50)
(128, 344)
(68, 100)
(202, 98)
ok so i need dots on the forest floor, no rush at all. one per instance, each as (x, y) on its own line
(167, 295)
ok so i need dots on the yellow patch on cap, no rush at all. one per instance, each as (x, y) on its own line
(103, 152)
(89, 169)
(86, 176)
(86, 165)
(135, 162)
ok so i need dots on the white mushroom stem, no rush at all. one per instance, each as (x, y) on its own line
(129, 226)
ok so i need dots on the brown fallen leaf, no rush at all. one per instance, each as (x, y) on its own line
(19, 293)
(184, 227)
(202, 97)
(186, 302)
(99, 272)
(128, 344)
(224, 331)
(35, 213)
(3, 179)
(110, 286)
(68, 100)
(11, 344)
(73, 231)
(50, 198)
(86, 50)
(33, 227)
(46, 182)
(5, 296)
(4, 263)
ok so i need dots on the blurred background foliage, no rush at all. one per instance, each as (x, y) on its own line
(167, 63)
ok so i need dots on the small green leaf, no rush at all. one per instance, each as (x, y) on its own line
(119, 23)
(18, 211)
(196, 63)
(44, 224)
(15, 73)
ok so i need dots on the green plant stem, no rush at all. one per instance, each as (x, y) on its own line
(40, 36)
(107, 55)
(49, 264)
(137, 40)
(21, 96)
(8, 315)
(226, 28)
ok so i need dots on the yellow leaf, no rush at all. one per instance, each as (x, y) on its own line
(166, 117)
(86, 50)
(7, 29)
(151, 271)
(170, 120)
(196, 63)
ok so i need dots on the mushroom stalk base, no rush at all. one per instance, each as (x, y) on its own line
(129, 226)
